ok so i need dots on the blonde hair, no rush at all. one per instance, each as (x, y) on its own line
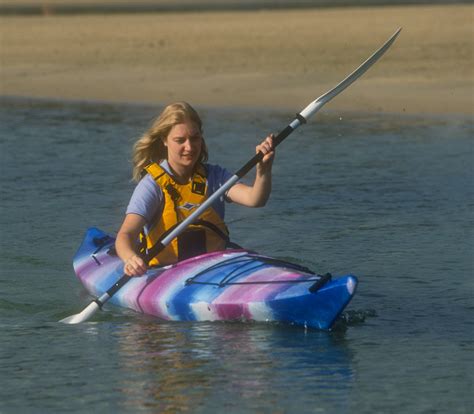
(150, 146)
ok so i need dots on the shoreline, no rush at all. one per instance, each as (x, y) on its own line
(326, 113)
(267, 59)
(50, 7)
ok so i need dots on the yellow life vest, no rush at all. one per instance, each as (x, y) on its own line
(207, 234)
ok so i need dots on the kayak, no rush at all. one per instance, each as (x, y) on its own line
(230, 285)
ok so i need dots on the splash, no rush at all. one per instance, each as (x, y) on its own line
(353, 317)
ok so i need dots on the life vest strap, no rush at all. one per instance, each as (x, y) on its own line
(209, 233)
(156, 248)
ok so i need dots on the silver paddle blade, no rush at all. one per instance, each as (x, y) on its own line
(314, 106)
(90, 310)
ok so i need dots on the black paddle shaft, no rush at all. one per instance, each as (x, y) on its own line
(117, 286)
(259, 155)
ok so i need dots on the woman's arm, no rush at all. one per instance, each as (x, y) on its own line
(125, 244)
(258, 194)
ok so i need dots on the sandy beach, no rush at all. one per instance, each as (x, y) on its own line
(270, 58)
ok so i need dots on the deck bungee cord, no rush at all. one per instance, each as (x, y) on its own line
(256, 262)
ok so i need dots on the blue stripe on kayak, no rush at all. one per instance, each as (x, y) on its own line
(317, 310)
(180, 304)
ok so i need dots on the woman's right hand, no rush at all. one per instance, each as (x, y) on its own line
(135, 266)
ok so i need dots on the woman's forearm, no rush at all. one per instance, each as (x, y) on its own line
(125, 245)
(257, 195)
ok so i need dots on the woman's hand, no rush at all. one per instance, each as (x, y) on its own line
(135, 266)
(266, 147)
(257, 194)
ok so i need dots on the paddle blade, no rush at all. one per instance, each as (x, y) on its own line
(314, 106)
(88, 312)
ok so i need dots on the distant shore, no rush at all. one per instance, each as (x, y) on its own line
(141, 6)
(265, 58)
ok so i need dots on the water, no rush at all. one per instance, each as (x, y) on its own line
(388, 198)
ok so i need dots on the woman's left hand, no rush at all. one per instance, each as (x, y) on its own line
(266, 147)
(257, 194)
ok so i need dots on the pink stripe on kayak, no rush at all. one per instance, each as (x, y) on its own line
(153, 298)
(233, 302)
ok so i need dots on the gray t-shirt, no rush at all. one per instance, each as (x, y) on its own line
(147, 198)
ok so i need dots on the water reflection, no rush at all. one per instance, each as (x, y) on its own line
(169, 367)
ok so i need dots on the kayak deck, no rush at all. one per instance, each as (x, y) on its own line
(227, 285)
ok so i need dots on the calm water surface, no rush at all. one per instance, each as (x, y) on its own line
(387, 198)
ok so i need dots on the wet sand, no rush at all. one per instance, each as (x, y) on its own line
(271, 58)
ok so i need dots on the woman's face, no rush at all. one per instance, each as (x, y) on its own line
(184, 143)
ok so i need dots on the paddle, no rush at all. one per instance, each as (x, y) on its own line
(300, 119)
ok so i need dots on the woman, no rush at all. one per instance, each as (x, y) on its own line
(173, 180)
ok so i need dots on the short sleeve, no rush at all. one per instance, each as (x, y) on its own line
(216, 177)
(146, 200)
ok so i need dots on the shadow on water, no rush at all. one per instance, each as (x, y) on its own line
(142, 365)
